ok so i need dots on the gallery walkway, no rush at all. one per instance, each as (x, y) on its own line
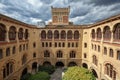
(57, 75)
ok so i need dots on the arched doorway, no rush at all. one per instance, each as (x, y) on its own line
(46, 63)
(94, 73)
(59, 64)
(25, 71)
(72, 64)
(34, 67)
(85, 65)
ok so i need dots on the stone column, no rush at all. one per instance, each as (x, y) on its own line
(7, 35)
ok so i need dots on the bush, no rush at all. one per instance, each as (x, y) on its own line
(26, 76)
(49, 69)
(40, 76)
(78, 73)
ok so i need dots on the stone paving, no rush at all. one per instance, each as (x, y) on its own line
(57, 75)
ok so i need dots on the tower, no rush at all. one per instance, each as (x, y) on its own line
(60, 16)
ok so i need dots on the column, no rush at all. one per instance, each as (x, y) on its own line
(7, 35)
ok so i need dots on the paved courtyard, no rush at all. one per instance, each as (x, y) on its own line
(57, 75)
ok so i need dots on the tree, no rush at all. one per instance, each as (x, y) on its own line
(78, 73)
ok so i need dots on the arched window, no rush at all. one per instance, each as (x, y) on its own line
(59, 54)
(118, 55)
(43, 34)
(63, 34)
(8, 52)
(106, 33)
(34, 55)
(46, 53)
(99, 34)
(26, 34)
(85, 55)
(95, 61)
(116, 32)
(49, 34)
(13, 50)
(12, 33)
(93, 34)
(72, 54)
(98, 48)
(69, 34)
(2, 32)
(8, 69)
(20, 48)
(1, 53)
(20, 34)
(111, 53)
(24, 59)
(110, 71)
(63, 44)
(105, 50)
(95, 47)
(76, 34)
(56, 34)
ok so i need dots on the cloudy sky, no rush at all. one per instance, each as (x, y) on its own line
(81, 12)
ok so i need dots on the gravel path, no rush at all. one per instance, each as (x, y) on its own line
(57, 75)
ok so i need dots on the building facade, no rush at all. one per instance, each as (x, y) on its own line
(24, 47)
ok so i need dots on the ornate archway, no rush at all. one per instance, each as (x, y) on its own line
(72, 64)
(59, 64)
(46, 63)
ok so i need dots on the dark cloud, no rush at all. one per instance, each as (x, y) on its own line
(81, 11)
(104, 2)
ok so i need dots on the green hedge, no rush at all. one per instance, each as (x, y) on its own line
(49, 69)
(78, 73)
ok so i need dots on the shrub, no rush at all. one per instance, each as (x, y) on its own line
(26, 76)
(40, 76)
(49, 69)
(78, 73)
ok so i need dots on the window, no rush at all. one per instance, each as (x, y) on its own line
(34, 55)
(69, 34)
(46, 53)
(111, 53)
(59, 44)
(8, 52)
(105, 50)
(46, 44)
(116, 32)
(63, 44)
(12, 33)
(98, 48)
(68, 44)
(95, 61)
(92, 46)
(95, 48)
(85, 55)
(43, 34)
(26, 46)
(20, 34)
(26, 34)
(24, 59)
(20, 48)
(85, 45)
(118, 55)
(34, 45)
(1, 53)
(56, 34)
(23, 46)
(49, 34)
(8, 69)
(2, 32)
(72, 54)
(99, 34)
(14, 50)
(63, 35)
(50, 44)
(55, 44)
(59, 54)
(107, 33)
(93, 34)
(42, 44)
(76, 34)
(110, 71)
(76, 44)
